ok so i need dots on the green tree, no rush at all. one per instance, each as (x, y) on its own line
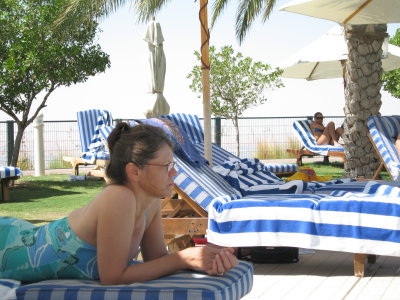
(391, 80)
(35, 60)
(236, 83)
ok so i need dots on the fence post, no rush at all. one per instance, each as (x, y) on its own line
(10, 141)
(38, 142)
(217, 131)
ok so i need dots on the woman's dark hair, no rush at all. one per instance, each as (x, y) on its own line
(137, 144)
(316, 114)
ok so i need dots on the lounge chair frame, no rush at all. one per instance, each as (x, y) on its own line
(300, 153)
(387, 125)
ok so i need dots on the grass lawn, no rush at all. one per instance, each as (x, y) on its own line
(51, 197)
(46, 198)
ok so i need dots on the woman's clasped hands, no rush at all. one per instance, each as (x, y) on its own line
(213, 260)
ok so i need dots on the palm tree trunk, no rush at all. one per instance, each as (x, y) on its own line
(362, 95)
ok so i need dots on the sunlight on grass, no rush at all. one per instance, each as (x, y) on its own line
(46, 198)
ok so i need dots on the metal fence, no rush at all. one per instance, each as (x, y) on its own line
(262, 137)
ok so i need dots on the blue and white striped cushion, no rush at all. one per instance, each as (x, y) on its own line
(202, 184)
(352, 223)
(303, 130)
(242, 174)
(6, 172)
(89, 124)
(188, 123)
(191, 125)
(8, 288)
(183, 286)
(384, 131)
(281, 168)
(220, 156)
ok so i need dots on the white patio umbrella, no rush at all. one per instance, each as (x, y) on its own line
(157, 62)
(348, 11)
(323, 58)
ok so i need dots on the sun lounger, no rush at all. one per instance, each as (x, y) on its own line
(383, 131)
(302, 128)
(184, 285)
(365, 224)
(8, 174)
(93, 150)
(190, 124)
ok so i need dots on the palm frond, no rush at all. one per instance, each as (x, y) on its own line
(247, 12)
(217, 8)
(269, 6)
(148, 8)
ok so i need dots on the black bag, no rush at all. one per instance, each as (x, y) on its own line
(269, 255)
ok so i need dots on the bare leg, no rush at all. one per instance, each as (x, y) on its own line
(334, 136)
(329, 136)
(339, 131)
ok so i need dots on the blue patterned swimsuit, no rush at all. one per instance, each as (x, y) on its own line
(33, 253)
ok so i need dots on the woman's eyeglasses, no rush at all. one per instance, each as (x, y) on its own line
(169, 165)
(319, 118)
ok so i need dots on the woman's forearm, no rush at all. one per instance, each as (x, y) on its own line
(146, 271)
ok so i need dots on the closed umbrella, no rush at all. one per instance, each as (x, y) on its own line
(157, 62)
(323, 58)
(348, 11)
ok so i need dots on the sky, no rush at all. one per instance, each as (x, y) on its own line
(123, 88)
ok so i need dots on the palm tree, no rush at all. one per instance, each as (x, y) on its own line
(362, 72)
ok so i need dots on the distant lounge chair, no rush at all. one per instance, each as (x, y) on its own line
(383, 131)
(8, 174)
(93, 150)
(190, 124)
(310, 147)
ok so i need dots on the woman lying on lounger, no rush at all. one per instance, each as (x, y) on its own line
(100, 240)
(325, 135)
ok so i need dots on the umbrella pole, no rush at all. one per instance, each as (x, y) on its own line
(205, 66)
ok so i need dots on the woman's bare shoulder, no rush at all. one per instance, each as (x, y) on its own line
(116, 193)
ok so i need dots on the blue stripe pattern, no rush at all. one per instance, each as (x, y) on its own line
(183, 285)
(202, 184)
(89, 124)
(6, 172)
(362, 222)
(190, 124)
(384, 131)
(303, 130)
